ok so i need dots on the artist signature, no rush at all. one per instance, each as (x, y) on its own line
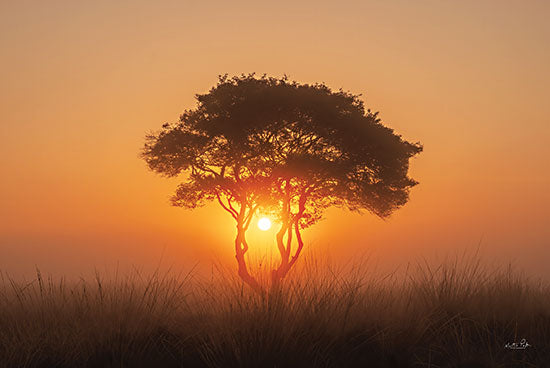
(522, 345)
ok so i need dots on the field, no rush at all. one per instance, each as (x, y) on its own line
(459, 314)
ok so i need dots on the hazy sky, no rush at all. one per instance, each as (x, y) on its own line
(83, 81)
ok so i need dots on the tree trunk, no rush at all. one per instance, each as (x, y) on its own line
(241, 248)
(285, 266)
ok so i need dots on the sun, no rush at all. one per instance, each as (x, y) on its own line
(264, 224)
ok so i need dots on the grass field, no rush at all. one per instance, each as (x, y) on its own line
(460, 314)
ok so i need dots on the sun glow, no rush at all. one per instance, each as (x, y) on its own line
(264, 224)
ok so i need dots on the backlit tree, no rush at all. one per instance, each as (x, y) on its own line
(286, 148)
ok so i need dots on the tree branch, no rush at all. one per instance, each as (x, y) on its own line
(300, 245)
(231, 211)
(249, 216)
(230, 204)
(298, 216)
(288, 241)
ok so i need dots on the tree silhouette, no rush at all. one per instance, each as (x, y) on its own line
(286, 148)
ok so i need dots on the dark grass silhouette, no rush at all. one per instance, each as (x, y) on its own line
(460, 314)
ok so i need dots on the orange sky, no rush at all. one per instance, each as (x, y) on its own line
(82, 82)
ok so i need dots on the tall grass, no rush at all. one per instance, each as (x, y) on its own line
(459, 314)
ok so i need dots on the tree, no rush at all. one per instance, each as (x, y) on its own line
(291, 149)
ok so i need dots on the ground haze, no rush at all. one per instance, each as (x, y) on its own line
(461, 314)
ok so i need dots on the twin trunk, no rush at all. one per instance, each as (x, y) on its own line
(241, 247)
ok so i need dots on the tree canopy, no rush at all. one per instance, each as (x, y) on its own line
(287, 148)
